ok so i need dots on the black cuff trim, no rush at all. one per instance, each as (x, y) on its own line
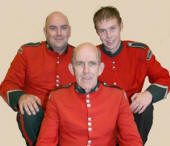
(13, 97)
(158, 92)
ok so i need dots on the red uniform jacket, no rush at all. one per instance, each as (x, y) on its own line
(37, 70)
(77, 119)
(130, 65)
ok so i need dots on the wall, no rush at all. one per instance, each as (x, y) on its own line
(144, 21)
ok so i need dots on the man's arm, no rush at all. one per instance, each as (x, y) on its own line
(128, 134)
(12, 87)
(48, 135)
(160, 84)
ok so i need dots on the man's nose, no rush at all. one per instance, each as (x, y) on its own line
(108, 34)
(58, 31)
(86, 68)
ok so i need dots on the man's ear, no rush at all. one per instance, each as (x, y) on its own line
(101, 68)
(121, 26)
(70, 68)
(45, 31)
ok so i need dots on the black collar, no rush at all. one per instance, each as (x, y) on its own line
(50, 48)
(82, 91)
(108, 53)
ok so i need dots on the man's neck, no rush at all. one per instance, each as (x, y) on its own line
(114, 49)
(60, 50)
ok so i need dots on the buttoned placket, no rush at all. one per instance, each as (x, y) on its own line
(57, 76)
(114, 67)
(89, 120)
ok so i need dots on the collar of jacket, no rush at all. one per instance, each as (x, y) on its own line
(82, 91)
(108, 53)
(50, 48)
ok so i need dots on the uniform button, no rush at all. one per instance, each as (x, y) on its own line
(114, 83)
(89, 141)
(57, 85)
(57, 81)
(89, 123)
(113, 67)
(89, 119)
(58, 62)
(88, 105)
(87, 96)
(87, 101)
(57, 76)
(88, 145)
(113, 62)
(89, 129)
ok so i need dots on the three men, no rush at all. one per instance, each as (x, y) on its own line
(127, 64)
(37, 69)
(88, 112)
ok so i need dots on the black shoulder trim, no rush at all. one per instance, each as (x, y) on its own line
(66, 86)
(149, 55)
(136, 45)
(32, 44)
(63, 86)
(114, 86)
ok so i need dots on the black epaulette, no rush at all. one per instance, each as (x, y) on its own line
(32, 44)
(136, 45)
(114, 86)
(63, 86)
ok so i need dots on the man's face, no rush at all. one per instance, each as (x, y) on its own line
(57, 31)
(109, 33)
(86, 66)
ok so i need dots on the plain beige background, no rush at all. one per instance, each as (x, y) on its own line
(145, 21)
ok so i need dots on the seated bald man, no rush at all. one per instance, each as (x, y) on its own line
(88, 113)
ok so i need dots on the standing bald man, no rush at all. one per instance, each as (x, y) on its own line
(88, 112)
(37, 69)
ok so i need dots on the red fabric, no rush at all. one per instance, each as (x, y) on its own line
(34, 71)
(131, 68)
(66, 119)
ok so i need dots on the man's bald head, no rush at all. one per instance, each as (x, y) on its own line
(86, 46)
(56, 14)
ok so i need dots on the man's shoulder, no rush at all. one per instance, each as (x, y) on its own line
(135, 44)
(114, 91)
(62, 92)
(30, 47)
(62, 88)
(32, 44)
(111, 86)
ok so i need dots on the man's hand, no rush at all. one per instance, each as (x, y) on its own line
(140, 101)
(29, 103)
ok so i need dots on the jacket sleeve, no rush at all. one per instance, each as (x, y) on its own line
(158, 77)
(127, 132)
(48, 135)
(12, 87)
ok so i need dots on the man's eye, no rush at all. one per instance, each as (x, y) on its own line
(112, 28)
(64, 27)
(92, 63)
(52, 28)
(79, 63)
(102, 31)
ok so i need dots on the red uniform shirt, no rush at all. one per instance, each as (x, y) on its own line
(130, 65)
(37, 70)
(77, 119)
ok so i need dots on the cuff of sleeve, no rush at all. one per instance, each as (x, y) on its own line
(158, 92)
(13, 98)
